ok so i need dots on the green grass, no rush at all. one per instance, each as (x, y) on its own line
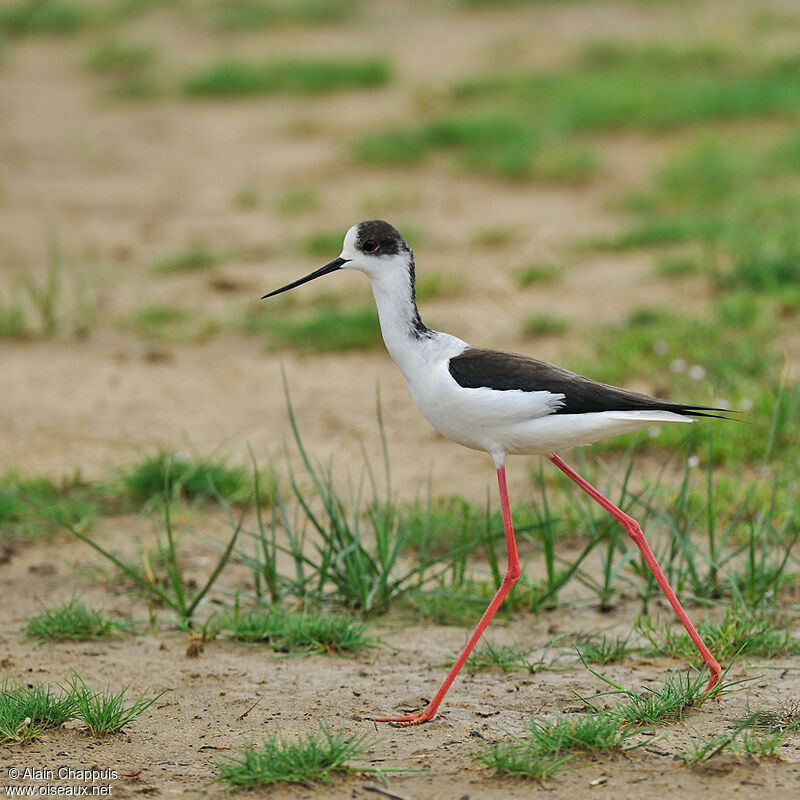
(762, 745)
(299, 201)
(25, 18)
(117, 58)
(742, 631)
(73, 621)
(492, 142)
(603, 649)
(172, 589)
(676, 267)
(248, 15)
(549, 744)
(304, 77)
(295, 631)
(14, 323)
(539, 125)
(544, 325)
(503, 657)
(533, 274)
(732, 354)
(784, 718)
(312, 758)
(28, 505)
(457, 601)
(737, 199)
(189, 478)
(325, 330)
(26, 711)
(438, 285)
(495, 237)
(247, 198)
(128, 67)
(194, 259)
(350, 551)
(170, 324)
(105, 712)
(43, 303)
(668, 703)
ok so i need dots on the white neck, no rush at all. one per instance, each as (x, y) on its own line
(401, 327)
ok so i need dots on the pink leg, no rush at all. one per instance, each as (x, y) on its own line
(633, 530)
(512, 573)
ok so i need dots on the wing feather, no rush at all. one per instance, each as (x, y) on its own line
(477, 367)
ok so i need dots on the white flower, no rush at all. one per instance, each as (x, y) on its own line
(678, 365)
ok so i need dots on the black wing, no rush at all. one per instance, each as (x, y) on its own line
(494, 369)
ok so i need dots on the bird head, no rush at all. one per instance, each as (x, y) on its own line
(373, 247)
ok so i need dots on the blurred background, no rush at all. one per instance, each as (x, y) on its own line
(611, 185)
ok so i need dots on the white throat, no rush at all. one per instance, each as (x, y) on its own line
(401, 327)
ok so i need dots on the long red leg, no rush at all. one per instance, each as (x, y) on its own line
(512, 573)
(633, 530)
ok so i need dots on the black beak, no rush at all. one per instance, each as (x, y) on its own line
(332, 267)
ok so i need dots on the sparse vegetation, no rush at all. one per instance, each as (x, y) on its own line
(194, 259)
(238, 78)
(28, 711)
(29, 505)
(170, 324)
(23, 17)
(247, 15)
(73, 621)
(105, 712)
(536, 273)
(544, 325)
(293, 631)
(316, 757)
(325, 330)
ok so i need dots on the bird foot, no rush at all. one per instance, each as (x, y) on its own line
(409, 719)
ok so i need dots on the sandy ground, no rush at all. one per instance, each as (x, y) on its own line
(121, 184)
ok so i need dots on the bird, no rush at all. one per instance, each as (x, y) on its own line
(503, 403)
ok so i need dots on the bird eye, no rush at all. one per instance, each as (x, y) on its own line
(370, 246)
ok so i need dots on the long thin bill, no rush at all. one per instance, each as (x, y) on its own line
(332, 267)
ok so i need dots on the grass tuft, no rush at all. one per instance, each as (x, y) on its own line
(504, 657)
(315, 757)
(237, 78)
(604, 649)
(741, 631)
(72, 621)
(248, 15)
(532, 274)
(293, 631)
(105, 712)
(193, 479)
(29, 506)
(544, 325)
(27, 711)
(668, 703)
(549, 744)
(325, 330)
(25, 18)
(194, 259)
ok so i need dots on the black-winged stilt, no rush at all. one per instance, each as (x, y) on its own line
(499, 402)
